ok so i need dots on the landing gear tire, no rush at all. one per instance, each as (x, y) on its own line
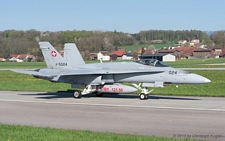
(143, 96)
(77, 94)
(98, 94)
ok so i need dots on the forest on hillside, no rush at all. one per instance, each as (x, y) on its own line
(16, 41)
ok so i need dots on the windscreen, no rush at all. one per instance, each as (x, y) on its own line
(152, 62)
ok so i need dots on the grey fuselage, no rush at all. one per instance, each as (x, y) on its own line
(120, 72)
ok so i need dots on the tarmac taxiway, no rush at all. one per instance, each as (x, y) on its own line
(171, 116)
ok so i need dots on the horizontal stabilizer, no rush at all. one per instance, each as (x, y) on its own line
(35, 73)
(30, 72)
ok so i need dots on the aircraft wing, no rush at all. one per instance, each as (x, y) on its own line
(83, 72)
(89, 72)
(24, 71)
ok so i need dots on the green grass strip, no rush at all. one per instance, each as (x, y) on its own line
(182, 63)
(29, 133)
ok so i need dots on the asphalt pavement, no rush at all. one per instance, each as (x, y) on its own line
(170, 116)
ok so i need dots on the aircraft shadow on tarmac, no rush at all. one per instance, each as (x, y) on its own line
(55, 95)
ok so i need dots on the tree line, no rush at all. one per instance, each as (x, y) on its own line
(18, 42)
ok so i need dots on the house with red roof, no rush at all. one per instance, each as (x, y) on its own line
(146, 51)
(185, 52)
(21, 57)
(118, 54)
(171, 51)
(149, 51)
(180, 52)
(13, 57)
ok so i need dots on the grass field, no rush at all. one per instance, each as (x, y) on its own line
(198, 63)
(182, 63)
(18, 82)
(28, 133)
(22, 65)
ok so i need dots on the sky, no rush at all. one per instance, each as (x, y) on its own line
(128, 16)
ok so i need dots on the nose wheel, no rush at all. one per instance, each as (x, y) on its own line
(144, 91)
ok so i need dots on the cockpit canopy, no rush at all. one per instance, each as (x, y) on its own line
(152, 62)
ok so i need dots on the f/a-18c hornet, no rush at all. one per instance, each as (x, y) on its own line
(100, 78)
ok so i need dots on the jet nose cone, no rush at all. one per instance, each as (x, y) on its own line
(207, 80)
(197, 79)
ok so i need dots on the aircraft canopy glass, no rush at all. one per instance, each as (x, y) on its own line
(152, 62)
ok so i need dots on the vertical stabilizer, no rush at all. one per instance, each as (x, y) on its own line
(72, 55)
(52, 57)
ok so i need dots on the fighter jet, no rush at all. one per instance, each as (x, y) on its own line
(108, 77)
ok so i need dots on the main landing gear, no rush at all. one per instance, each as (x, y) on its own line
(87, 90)
(143, 96)
(77, 94)
(98, 94)
(144, 91)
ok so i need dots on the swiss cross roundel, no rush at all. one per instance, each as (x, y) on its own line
(53, 53)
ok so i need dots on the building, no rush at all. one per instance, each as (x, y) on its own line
(222, 54)
(22, 58)
(217, 52)
(204, 53)
(172, 52)
(184, 52)
(182, 42)
(118, 53)
(2, 59)
(160, 57)
(127, 56)
(94, 56)
(103, 55)
(141, 50)
(167, 51)
(13, 57)
(195, 41)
